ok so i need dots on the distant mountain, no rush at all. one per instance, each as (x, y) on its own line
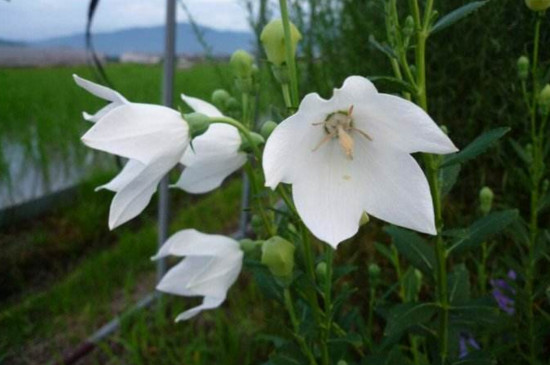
(6, 43)
(151, 40)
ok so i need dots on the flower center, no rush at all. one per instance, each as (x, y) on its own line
(339, 125)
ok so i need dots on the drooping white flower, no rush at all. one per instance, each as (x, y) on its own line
(211, 265)
(215, 154)
(152, 137)
(351, 154)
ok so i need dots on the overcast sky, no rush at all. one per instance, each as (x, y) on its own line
(38, 19)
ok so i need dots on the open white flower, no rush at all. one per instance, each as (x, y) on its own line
(152, 137)
(211, 265)
(215, 154)
(351, 154)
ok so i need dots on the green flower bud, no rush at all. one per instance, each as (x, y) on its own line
(523, 68)
(544, 100)
(538, 5)
(256, 223)
(198, 123)
(364, 219)
(321, 271)
(374, 272)
(278, 256)
(219, 98)
(257, 139)
(248, 245)
(486, 197)
(268, 128)
(273, 40)
(232, 104)
(241, 63)
(408, 27)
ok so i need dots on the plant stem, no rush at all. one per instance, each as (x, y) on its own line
(291, 62)
(296, 326)
(432, 165)
(329, 258)
(536, 176)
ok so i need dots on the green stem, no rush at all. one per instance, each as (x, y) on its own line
(291, 62)
(286, 96)
(329, 258)
(296, 326)
(536, 175)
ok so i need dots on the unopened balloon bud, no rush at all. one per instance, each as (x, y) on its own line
(321, 271)
(273, 41)
(241, 63)
(232, 104)
(198, 123)
(364, 219)
(486, 197)
(538, 5)
(278, 256)
(256, 223)
(246, 144)
(523, 68)
(544, 100)
(374, 272)
(219, 98)
(268, 128)
(408, 27)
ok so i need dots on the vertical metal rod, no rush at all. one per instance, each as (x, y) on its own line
(245, 204)
(167, 100)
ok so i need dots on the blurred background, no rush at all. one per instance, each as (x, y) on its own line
(63, 274)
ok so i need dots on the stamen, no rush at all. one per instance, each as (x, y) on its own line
(346, 142)
(327, 138)
(362, 133)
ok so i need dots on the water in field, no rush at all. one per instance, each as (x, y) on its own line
(29, 173)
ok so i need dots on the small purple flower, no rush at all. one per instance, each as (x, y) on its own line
(502, 292)
(466, 343)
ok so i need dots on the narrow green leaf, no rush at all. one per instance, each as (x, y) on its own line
(456, 15)
(544, 203)
(448, 177)
(414, 248)
(459, 285)
(384, 48)
(406, 315)
(477, 147)
(482, 229)
(395, 83)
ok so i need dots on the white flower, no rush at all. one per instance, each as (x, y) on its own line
(211, 265)
(215, 154)
(152, 137)
(351, 154)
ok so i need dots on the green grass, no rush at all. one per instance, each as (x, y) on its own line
(107, 280)
(43, 109)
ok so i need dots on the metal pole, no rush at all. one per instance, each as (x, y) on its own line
(167, 100)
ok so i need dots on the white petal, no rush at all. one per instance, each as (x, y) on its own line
(215, 156)
(99, 90)
(201, 106)
(133, 197)
(100, 113)
(190, 242)
(139, 131)
(207, 303)
(355, 90)
(333, 192)
(401, 124)
(293, 140)
(130, 171)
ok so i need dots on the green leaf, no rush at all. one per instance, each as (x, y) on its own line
(459, 285)
(544, 203)
(384, 48)
(406, 315)
(456, 15)
(477, 147)
(482, 229)
(395, 83)
(415, 249)
(385, 251)
(448, 177)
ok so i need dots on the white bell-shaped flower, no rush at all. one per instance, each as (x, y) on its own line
(211, 265)
(152, 137)
(215, 154)
(351, 154)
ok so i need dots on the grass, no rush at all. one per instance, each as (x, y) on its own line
(106, 281)
(43, 109)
